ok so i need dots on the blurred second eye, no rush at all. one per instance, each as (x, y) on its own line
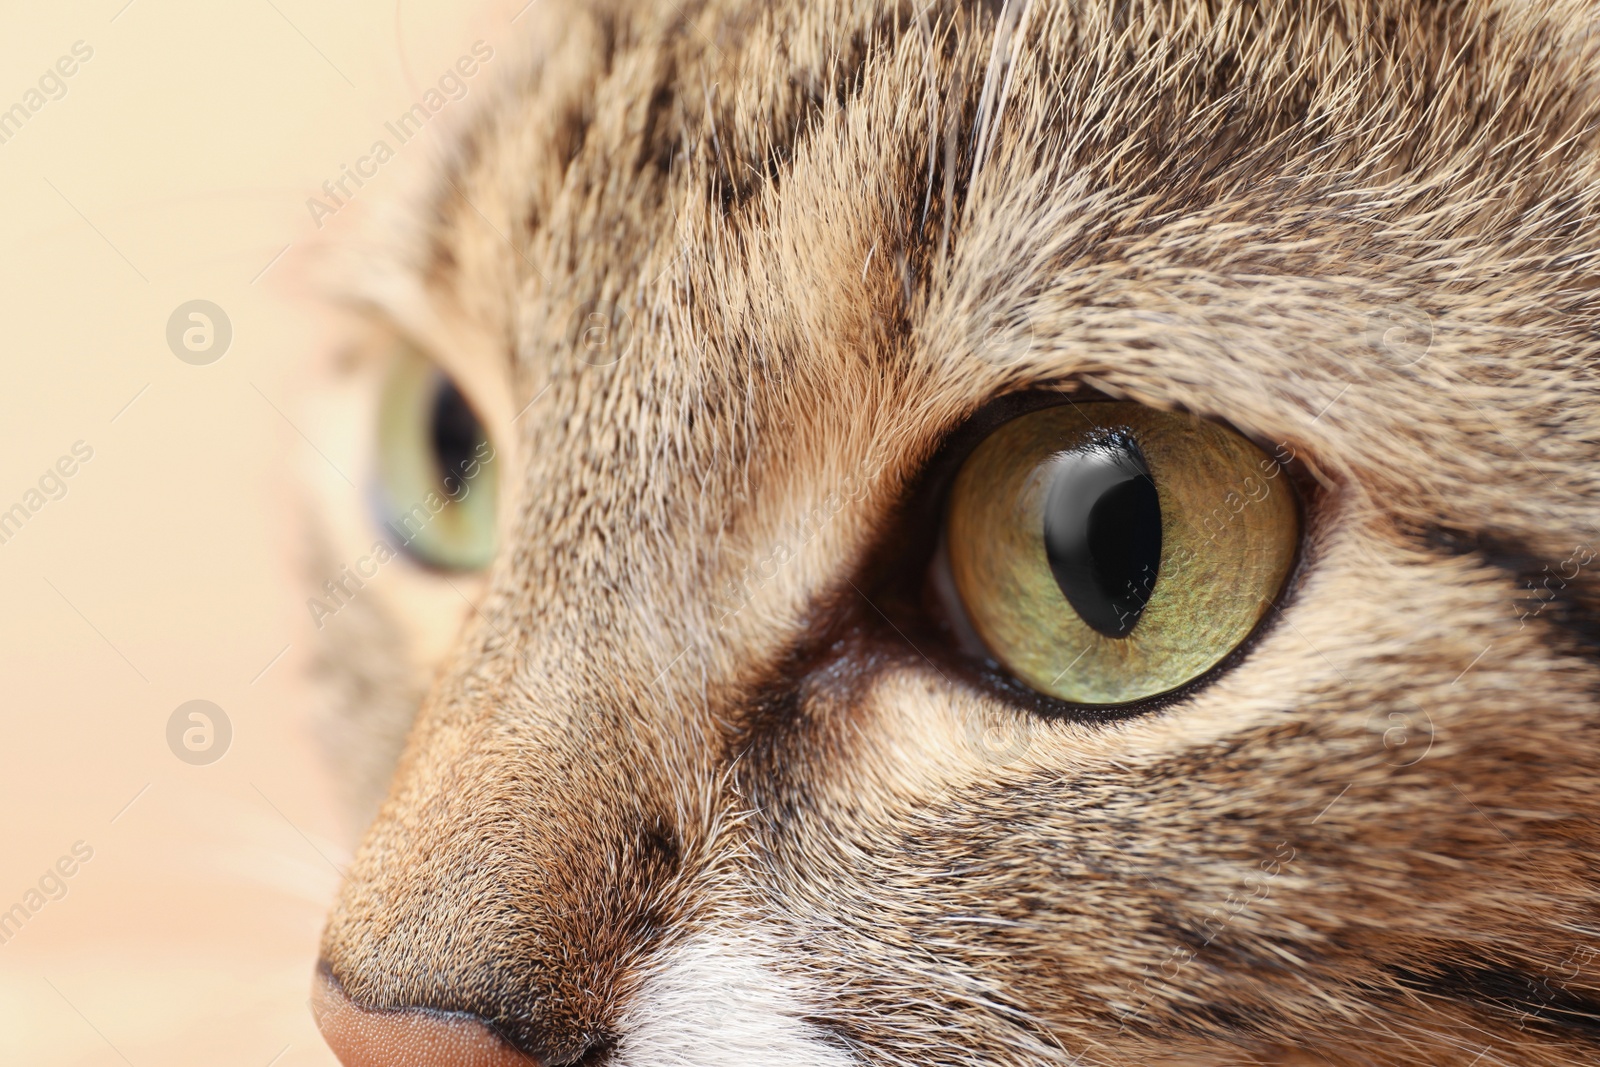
(436, 467)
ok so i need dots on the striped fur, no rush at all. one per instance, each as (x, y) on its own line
(703, 725)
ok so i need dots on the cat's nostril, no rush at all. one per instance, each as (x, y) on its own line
(363, 1038)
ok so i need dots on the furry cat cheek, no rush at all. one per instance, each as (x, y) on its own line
(710, 775)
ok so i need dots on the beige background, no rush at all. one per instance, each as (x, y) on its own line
(177, 166)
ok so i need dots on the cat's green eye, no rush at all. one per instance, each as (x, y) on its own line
(436, 467)
(1109, 552)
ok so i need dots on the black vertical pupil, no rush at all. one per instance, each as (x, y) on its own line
(454, 430)
(1102, 533)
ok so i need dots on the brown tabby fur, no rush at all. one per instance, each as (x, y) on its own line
(698, 699)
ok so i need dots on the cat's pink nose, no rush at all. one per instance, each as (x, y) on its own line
(362, 1038)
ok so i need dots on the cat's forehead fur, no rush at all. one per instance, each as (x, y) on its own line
(684, 757)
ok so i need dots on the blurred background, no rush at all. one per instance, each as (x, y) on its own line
(163, 877)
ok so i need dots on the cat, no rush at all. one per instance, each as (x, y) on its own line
(717, 379)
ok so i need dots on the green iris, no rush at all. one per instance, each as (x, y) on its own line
(436, 467)
(1109, 552)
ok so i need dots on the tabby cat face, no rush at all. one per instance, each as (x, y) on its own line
(750, 752)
